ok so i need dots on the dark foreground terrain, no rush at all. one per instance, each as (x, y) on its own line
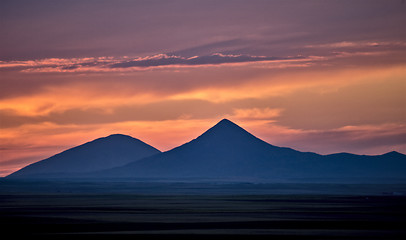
(191, 210)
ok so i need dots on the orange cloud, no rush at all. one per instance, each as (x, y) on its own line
(256, 113)
(158, 61)
(358, 44)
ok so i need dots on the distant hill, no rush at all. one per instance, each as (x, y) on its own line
(228, 152)
(102, 153)
(225, 152)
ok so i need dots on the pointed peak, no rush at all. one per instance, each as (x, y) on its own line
(227, 124)
(225, 121)
(225, 129)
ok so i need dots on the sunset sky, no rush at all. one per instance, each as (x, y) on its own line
(324, 76)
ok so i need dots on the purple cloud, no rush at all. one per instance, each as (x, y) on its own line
(214, 59)
(111, 63)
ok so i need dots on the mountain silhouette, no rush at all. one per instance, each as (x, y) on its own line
(228, 152)
(102, 153)
(224, 152)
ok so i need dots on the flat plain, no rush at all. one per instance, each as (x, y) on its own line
(203, 210)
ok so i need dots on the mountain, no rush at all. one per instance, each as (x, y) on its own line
(228, 152)
(102, 153)
(224, 152)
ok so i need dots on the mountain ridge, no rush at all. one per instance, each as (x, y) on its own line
(227, 151)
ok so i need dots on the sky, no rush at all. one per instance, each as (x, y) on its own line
(324, 76)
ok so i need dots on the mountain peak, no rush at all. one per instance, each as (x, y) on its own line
(394, 154)
(226, 125)
(113, 138)
(118, 136)
(225, 130)
(225, 121)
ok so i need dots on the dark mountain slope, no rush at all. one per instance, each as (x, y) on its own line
(228, 152)
(103, 153)
(224, 151)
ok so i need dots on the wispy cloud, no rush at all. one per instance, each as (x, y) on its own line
(358, 44)
(214, 59)
(374, 139)
(111, 64)
(336, 50)
(256, 113)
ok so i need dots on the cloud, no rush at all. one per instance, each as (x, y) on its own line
(156, 111)
(320, 53)
(361, 139)
(256, 113)
(214, 59)
(371, 139)
(377, 101)
(111, 64)
(358, 44)
(214, 46)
